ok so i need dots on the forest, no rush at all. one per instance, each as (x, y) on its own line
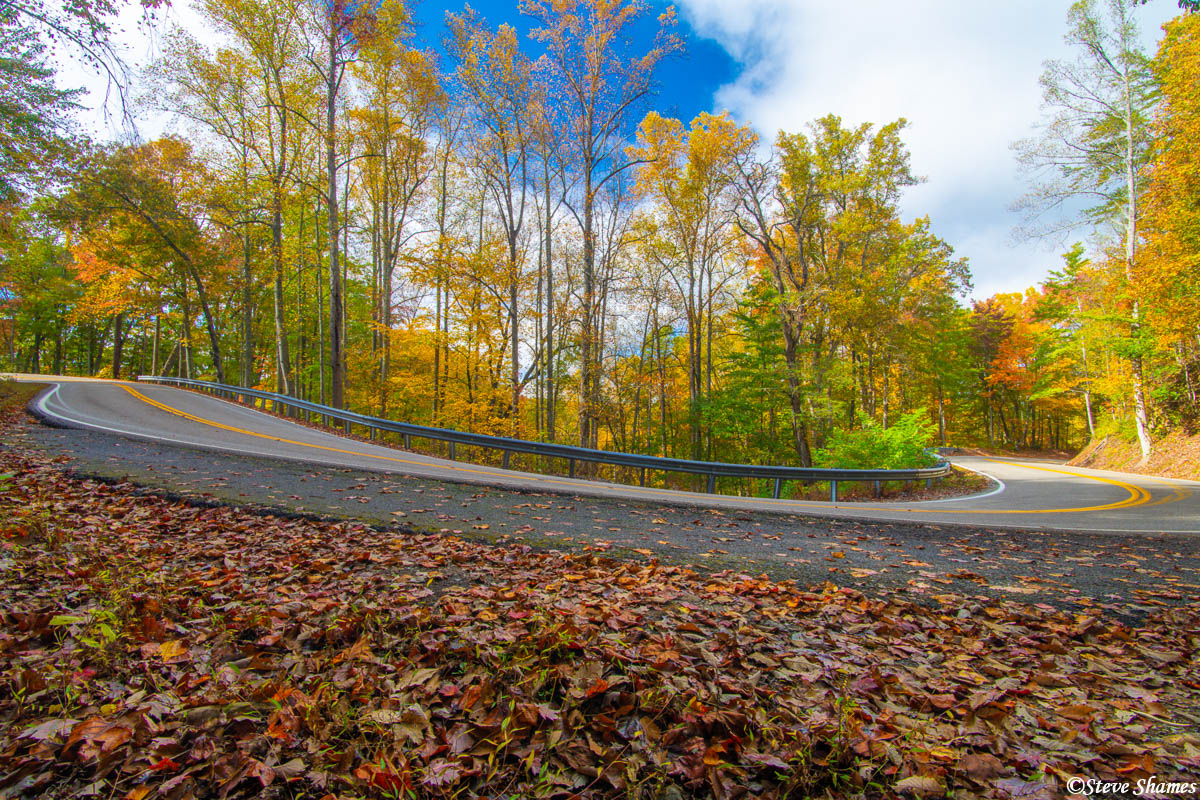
(503, 235)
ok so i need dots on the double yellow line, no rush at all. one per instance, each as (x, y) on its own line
(1137, 495)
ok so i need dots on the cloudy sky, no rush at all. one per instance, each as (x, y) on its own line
(963, 73)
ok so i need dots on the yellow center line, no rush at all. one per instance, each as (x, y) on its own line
(1137, 495)
(255, 434)
(1177, 493)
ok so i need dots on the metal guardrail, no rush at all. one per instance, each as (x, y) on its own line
(712, 469)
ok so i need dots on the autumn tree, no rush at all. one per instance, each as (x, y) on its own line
(401, 101)
(1092, 147)
(268, 35)
(599, 83)
(497, 81)
(1169, 273)
(690, 177)
(154, 196)
(341, 27)
(822, 210)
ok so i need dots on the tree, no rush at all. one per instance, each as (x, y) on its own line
(1169, 272)
(691, 178)
(823, 212)
(217, 94)
(153, 193)
(343, 28)
(267, 34)
(497, 79)
(599, 83)
(402, 101)
(33, 113)
(1093, 146)
(83, 25)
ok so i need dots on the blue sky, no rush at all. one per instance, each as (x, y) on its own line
(687, 83)
(963, 73)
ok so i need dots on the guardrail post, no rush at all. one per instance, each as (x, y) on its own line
(504, 459)
(712, 483)
(571, 468)
(833, 491)
(778, 488)
(407, 442)
(929, 483)
(451, 450)
(643, 476)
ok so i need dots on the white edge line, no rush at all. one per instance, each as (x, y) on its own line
(1000, 487)
(41, 402)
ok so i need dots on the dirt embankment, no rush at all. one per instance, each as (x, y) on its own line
(1176, 455)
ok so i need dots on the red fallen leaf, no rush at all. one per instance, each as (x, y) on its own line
(596, 688)
(283, 724)
(1143, 763)
(151, 628)
(980, 699)
(164, 764)
(85, 730)
(470, 697)
(259, 770)
(382, 779)
(98, 742)
(83, 676)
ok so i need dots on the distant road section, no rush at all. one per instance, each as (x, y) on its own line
(1027, 494)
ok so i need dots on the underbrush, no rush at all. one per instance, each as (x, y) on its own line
(958, 483)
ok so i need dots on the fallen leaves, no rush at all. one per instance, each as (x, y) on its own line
(258, 656)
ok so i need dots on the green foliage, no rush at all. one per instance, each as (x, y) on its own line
(33, 112)
(872, 446)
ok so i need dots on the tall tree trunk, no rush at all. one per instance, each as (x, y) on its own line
(588, 329)
(283, 364)
(336, 358)
(157, 340)
(1131, 233)
(118, 344)
(550, 405)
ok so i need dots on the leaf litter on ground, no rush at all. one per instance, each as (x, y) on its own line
(154, 648)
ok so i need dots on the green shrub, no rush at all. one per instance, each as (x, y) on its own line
(899, 446)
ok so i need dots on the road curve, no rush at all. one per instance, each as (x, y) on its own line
(1026, 494)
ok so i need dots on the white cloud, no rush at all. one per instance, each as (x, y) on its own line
(964, 75)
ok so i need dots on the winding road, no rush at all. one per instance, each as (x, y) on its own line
(1026, 494)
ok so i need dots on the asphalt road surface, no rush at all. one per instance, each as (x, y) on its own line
(1029, 495)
